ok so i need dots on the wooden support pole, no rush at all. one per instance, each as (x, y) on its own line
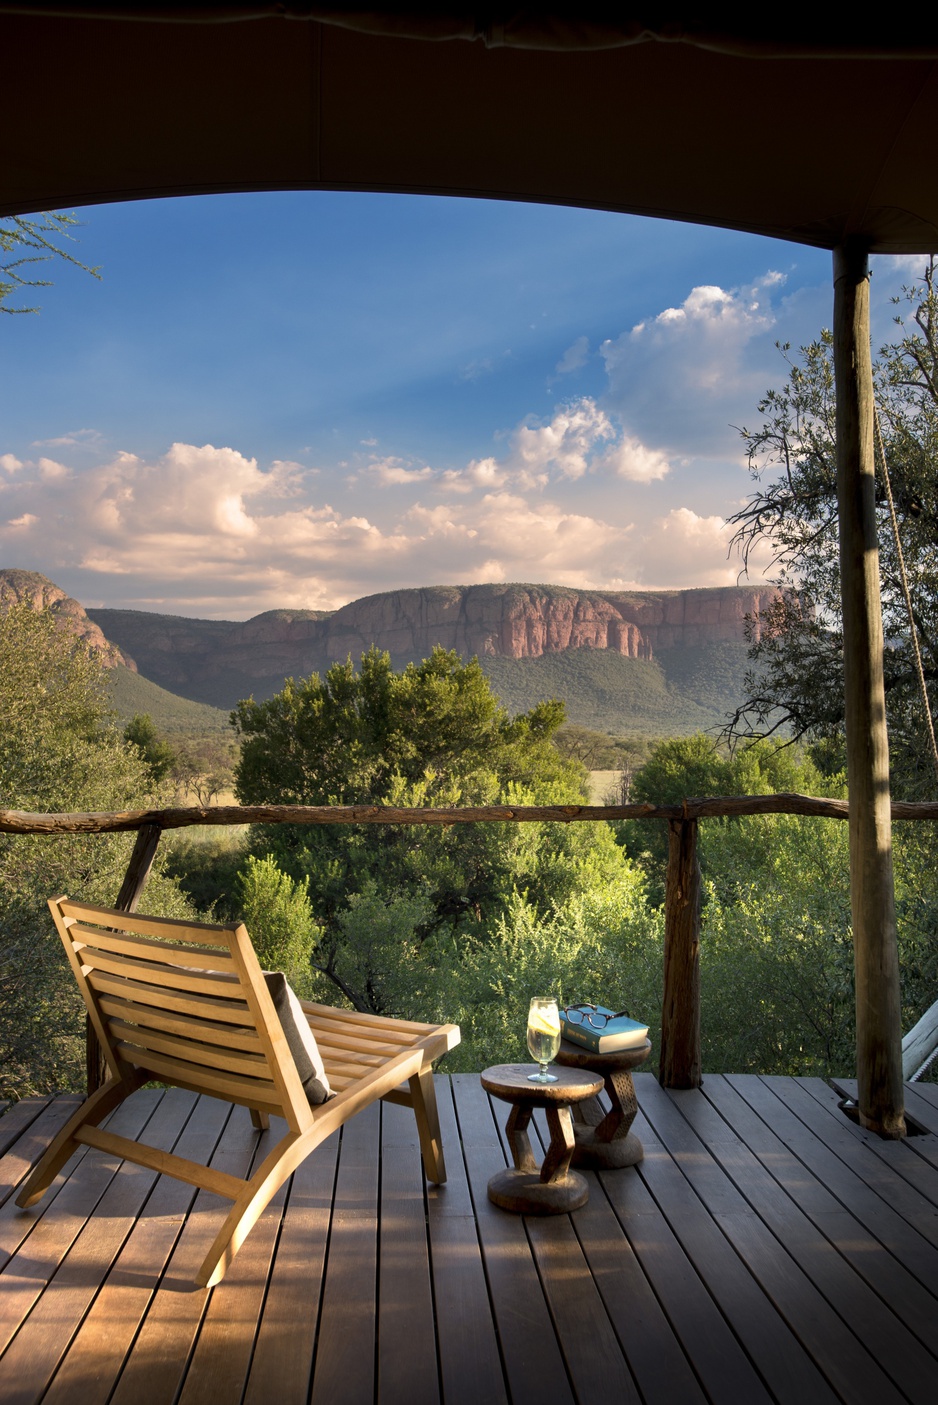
(879, 1032)
(680, 1012)
(138, 870)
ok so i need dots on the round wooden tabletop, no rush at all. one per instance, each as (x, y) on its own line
(511, 1083)
(572, 1055)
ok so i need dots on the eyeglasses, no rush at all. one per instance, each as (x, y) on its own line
(586, 1013)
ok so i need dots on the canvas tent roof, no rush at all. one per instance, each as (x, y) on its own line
(783, 127)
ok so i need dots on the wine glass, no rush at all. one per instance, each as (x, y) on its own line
(543, 1037)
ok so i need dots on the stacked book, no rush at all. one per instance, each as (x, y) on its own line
(618, 1031)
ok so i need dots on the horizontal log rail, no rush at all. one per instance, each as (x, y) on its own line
(679, 1063)
(711, 807)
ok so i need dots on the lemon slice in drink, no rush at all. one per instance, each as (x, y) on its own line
(544, 1022)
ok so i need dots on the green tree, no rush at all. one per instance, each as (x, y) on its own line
(279, 917)
(431, 735)
(796, 683)
(158, 756)
(58, 751)
(32, 241)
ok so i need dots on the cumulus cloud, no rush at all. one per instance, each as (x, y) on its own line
(632, 459)
(682, 548)
(580, 438)
(10, 463)
(681, 378)
(393, 472)
(210, 528)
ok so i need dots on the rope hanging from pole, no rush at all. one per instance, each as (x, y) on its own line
(903, 575)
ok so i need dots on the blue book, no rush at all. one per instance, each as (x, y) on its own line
(616, 1034)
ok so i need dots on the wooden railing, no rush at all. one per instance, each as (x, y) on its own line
(679, 1054)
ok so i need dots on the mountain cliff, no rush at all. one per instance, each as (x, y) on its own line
(218, 660)
(17, 586)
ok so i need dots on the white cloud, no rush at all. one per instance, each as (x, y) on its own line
(899, 268)
(393, 472)
(574, 357)
(10, 463)
(208, 528)
(562, 446)
(579, 439)
(680, 379)
(685, 549)
(74, 439)
(632, 459)
(52, 471)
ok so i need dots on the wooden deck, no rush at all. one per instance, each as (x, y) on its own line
(766, 1250)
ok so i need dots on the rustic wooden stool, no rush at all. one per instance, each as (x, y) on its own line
(553, 1189)
(604, 1140)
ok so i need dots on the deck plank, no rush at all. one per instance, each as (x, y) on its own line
(534, 1365)
(896, 1153)
(282, 1365)
(758, 1289)
(219, 1366)
(408, 1370)
(344, 1371)
(715, 1355)
(156, 1369)
(925, 1146)
(16, 1224)
(647, 1340)
(708, 1228)
(101, 1345)
(16, 1118)
(844, 1182)
(752, 1257)
(923, 1104)
(868, 1331)
(860, 1150)
(50, 1228)
(856, 1245)
(470, 1363)
(44, 1337)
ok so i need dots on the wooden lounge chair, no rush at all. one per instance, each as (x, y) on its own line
(187, 1004)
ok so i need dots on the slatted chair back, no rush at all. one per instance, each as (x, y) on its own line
(185, 1001)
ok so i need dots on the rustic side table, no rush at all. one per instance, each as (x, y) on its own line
(604, 1140)
(552, 1189)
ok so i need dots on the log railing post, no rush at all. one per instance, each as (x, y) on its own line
(680, 1013)
(876, 959)
(138, 870)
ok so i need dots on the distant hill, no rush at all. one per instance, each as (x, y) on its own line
(681, 691)
(220, 661)
(17, 586)
(172, 715)
(649, 663)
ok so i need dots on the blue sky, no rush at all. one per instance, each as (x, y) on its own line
(299, 399)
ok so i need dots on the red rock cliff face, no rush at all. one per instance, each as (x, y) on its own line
(526, 621)
(17, 586)
(513, 621)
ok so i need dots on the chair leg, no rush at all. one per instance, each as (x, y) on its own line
(260, 1119)
(92, 1112)
(281, 1162)
(423, 1092)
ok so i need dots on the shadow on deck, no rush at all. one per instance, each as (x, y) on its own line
(765, 1250)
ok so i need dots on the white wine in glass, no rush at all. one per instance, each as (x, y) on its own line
(543, 1037)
